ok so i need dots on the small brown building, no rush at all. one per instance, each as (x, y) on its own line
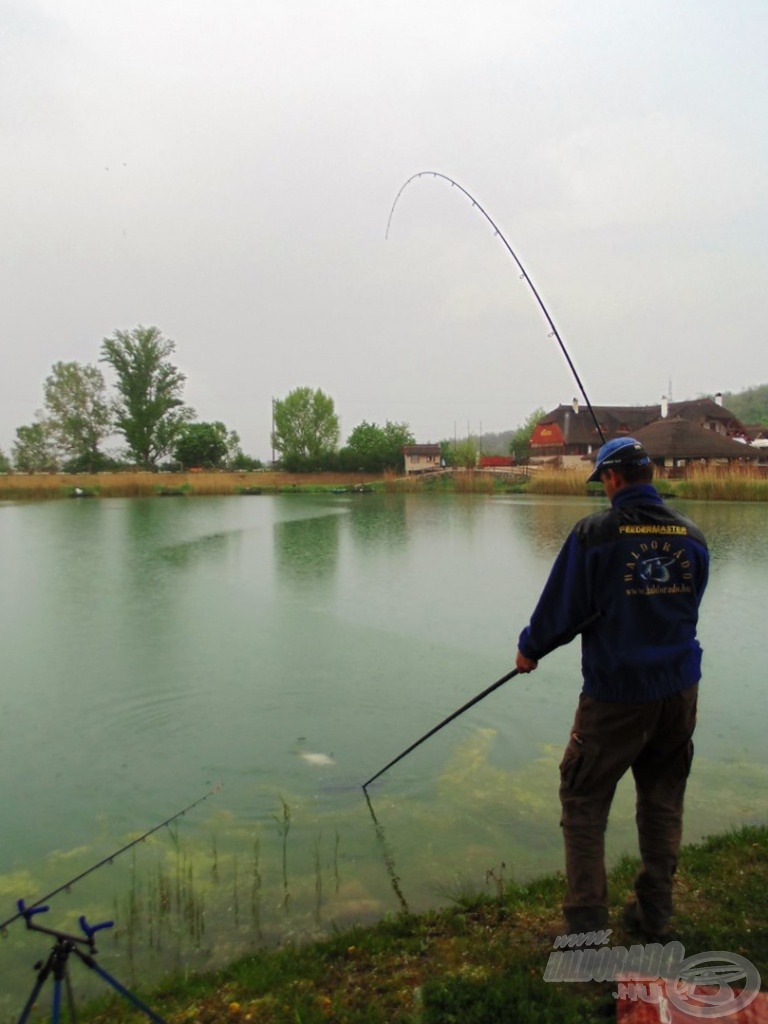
(421, 458)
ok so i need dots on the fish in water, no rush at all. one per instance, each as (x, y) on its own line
(316, 759)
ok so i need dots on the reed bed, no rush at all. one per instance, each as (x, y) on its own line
(736, 483)
(712, 483)
(472, 482)
(42, 486)
(558, 481)
(715, 483)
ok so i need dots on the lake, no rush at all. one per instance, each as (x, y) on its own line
(285, 648)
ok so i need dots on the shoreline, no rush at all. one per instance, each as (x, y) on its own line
(481, 961)
(710, 484)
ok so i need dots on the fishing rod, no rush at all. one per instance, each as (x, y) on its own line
(107, 860)
(554, 333)
(565, 639)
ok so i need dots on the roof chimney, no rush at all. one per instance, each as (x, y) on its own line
(664, 407)
(719, 398)
(575, 404)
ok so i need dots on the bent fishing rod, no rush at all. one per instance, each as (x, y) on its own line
(566, 639)
(554, 333)
(106, 860)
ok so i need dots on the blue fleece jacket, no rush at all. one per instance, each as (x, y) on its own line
(641, 568)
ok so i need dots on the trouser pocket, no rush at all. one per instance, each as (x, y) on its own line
(576, 765)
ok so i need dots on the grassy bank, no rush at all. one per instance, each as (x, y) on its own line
(720, 484)
(480, 962)
(41, 486)
(459, 482)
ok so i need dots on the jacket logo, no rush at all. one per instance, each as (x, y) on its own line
(653, 567)
(655, 570)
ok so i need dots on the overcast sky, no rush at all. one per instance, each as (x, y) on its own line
(224, 171)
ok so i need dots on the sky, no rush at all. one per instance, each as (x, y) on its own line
(225, 173)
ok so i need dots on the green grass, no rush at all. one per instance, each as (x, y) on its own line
(479, 962)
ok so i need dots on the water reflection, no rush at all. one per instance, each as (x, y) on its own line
(727, 525)
(379, 521)
(307, 549)
(547, 522)
(187, 552)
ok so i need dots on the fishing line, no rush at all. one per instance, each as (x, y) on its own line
(554, 333)
(389, 859)
(108, 860)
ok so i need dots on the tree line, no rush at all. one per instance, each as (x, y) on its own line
(146, 408)
(750, 405)
(306, 434)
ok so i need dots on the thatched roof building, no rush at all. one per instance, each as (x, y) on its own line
(675, 441)
(568, 433)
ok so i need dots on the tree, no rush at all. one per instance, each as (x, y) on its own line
(78, 413)
(462, 453)
(750, 406)
(465, 453)
(306, 428)
(34, 450)
(5, 465)
(520, 445)
(204, 444)
(244, 463)
(447, 452)
(373, 449)
(150, 412)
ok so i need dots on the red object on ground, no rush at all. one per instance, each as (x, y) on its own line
(489, 461)
(652, 1006)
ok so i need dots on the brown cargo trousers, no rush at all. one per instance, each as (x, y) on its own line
(607, 738)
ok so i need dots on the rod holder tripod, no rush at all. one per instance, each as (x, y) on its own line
(57, 966)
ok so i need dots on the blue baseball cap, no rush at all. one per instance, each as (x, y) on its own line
(621, 451)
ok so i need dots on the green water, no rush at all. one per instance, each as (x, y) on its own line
(152, 649)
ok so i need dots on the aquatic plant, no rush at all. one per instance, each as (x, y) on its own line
(732, 483)
(482, 961)
(283, 828)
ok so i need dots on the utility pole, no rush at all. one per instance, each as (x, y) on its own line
(272, 433)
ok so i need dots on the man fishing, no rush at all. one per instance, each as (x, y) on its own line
(637, 569)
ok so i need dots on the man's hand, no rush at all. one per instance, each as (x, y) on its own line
(523, 664)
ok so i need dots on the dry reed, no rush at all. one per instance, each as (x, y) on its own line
(724, 483)
(554, 481)
(40, 486)
(713, 483)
